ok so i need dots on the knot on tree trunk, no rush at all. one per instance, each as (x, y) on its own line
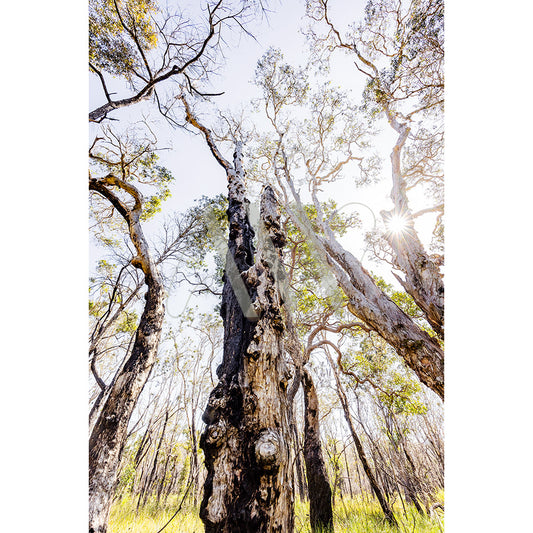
(217, 404)
(216, 434)
(267, 450)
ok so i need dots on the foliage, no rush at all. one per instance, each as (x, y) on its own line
(115, 28)
(282, 84)
(306, 273)
(403, 300)
(132, 157)
(376, 364)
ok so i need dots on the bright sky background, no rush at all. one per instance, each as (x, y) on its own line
(45, 258)
(197, 173)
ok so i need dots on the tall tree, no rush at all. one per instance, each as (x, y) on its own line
(108, 436)
(400, 51)
(320, 509)
(324, 147)
(249, 483)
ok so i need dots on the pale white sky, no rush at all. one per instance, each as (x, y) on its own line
(197, 173)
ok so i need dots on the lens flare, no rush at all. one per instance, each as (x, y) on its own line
(397, 224)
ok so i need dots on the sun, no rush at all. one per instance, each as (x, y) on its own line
(397, 224)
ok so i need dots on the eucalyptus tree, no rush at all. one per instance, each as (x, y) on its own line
(318, 340)
(249, 484)
(112, 178)
(121, 166)
(332, 141)
(159, 52)
(399, 49)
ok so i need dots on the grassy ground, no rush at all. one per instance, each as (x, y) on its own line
(350, 515)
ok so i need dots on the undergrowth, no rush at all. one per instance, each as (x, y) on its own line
(351, 515)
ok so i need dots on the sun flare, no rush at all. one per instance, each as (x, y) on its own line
(397, 224)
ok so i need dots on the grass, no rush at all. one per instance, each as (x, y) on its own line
(152, 518)
(357, 515)
(351, 515)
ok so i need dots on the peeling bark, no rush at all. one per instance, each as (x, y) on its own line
(423, 280)
(421, 352)
(249, 486)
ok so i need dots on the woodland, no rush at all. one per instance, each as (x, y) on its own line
(266, 289)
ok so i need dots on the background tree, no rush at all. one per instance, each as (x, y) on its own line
(323, 147)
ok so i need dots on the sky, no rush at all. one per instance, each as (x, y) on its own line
(45, 258)
(197, 173)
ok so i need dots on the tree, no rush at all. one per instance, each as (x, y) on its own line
(146, 47)
(109, 433)
(246, 440)
(136, 41)
(323, 147)
(400, 51)
(320, 510)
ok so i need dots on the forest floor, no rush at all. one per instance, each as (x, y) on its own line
(355, 515)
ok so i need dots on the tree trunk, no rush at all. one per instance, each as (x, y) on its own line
(165, 468)
(107, 438)
(294, 349)
(302, 486)
(194, 459)
(320, 510)
(110, 430)
(154, 464)
(423, 280)
(249, 485)
(348, 472)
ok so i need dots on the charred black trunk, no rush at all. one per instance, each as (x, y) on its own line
(246, 442)
(320, 509)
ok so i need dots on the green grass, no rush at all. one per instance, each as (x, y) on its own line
(152, 518)
(357, 515)
(350, 516)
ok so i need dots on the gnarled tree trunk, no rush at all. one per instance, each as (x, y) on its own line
(249, 485)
